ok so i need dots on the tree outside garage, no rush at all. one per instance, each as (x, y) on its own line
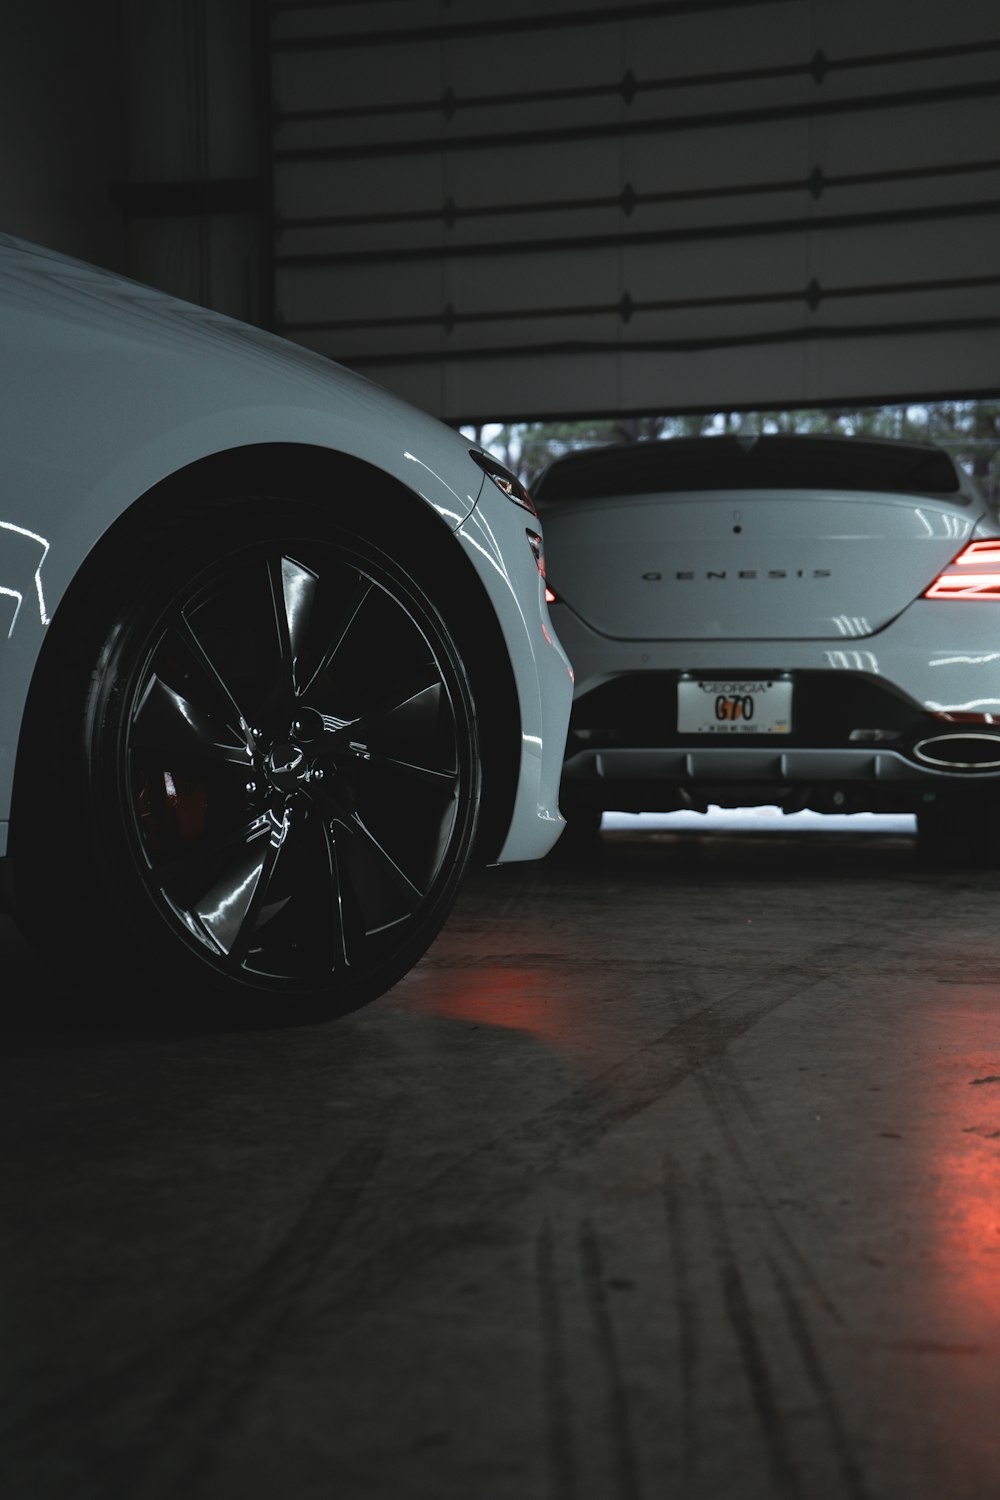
(969, 430)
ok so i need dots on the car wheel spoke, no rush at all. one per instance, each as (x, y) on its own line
(442, 780)
(419, 699)
(168, 723)
(196, 866)
(340, 627)
(338, 930)
(409, 708)
(228, 910)
(385, 893)
(293, 597)
(211, 690)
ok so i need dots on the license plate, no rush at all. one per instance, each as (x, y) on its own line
(754, 705)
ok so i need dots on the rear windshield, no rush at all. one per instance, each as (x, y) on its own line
(770, 463)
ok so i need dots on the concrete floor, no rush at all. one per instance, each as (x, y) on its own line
(672, 1174)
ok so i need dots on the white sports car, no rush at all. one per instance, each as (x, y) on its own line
(276, 660)
(812, 622)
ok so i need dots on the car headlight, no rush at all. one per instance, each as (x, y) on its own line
(503, 479)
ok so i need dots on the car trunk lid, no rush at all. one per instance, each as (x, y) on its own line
(748, 564)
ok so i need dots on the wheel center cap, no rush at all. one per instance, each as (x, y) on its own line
(286, 766)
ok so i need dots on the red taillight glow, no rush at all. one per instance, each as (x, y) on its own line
(550, 597)
(954, 582)
(978, 552)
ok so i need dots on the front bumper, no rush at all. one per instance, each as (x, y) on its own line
(494, 537)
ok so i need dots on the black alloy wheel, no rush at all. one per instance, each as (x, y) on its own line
(279, 777)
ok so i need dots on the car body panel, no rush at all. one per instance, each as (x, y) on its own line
(751, 564)
(110, 388)
(496, 535)
(929, 651)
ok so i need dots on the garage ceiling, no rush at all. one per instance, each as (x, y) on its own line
(572, 208)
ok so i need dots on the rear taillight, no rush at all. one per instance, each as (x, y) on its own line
(973, 574)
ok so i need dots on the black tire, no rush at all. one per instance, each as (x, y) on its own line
(952, 831)
(251, 779)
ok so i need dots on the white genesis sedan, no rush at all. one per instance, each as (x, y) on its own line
(811, 622)
(276, 659)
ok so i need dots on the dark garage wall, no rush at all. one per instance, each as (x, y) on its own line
(557, 208)
(131, 135)
(194, 189)
(61, 128)
(571, 208)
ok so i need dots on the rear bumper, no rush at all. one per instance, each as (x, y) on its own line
(825, 780)
(869, 718)
(743, 766)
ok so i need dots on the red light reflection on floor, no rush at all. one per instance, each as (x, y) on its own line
(940, 1304)
(502, 993)
(967, 1239)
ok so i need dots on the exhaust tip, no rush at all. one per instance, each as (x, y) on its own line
(960, 752)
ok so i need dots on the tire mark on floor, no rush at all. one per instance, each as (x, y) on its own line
(784, 1473)
(685, 1312)
(605, 1340)
(517, 1161)
(555, 1375)
(503, 1171)
(209, 1367)
(826, 1396)
(721, 1072)
(736, 1151)
(245, 1333)
(574, 1124)
(341, 1290)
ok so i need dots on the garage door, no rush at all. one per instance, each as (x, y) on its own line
(565, 208)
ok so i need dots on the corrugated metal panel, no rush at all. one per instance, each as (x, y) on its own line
(573, 208)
